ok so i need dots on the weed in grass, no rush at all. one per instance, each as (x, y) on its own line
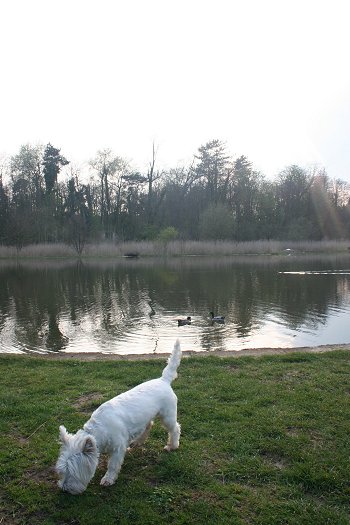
(162, 497)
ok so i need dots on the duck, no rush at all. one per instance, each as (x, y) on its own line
(217, 318)
(183, 322)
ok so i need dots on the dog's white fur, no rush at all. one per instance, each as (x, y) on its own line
(124, 420)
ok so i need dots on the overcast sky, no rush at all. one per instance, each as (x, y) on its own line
(271, 78)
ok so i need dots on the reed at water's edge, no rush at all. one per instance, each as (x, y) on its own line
(177, 248)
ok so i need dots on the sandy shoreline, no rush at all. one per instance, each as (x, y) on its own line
(256, 352)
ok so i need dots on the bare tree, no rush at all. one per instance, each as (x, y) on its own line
(111, 171)
(153, 176)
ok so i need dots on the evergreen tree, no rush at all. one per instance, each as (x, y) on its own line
(213, 169)
(52, 162)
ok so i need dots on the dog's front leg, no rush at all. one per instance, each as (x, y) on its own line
(114, 465)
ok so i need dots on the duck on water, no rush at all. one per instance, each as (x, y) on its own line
(217, 318)
(183, 322)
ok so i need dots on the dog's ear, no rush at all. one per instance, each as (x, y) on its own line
(89, 446)
(63, 435)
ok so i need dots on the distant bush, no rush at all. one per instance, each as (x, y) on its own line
(168, 234)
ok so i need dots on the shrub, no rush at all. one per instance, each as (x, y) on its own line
(168, 234)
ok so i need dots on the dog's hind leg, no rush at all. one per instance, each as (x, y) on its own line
(173, 428)
(114, 465)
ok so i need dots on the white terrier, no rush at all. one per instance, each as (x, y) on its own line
(126, 419)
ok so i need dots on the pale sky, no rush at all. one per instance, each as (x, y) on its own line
(271, 78)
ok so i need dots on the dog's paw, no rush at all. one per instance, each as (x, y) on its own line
(169, 448)
(106, 481)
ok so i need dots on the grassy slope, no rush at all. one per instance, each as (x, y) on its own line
(264, 441)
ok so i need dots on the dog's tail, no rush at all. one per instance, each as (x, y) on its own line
(170, 371)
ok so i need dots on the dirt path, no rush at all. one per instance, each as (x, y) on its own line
(96, 356)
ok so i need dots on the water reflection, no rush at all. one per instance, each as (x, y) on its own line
(132, 306)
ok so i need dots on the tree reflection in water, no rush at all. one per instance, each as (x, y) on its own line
(132, 306)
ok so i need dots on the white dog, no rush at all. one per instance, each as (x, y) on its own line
(126, 419)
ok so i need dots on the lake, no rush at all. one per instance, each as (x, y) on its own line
(131, 306)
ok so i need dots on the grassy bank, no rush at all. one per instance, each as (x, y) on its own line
(264, 441)
(177, 248)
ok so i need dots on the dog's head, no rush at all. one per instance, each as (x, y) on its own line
(77, 461)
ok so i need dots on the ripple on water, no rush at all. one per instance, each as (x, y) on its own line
(133, 310)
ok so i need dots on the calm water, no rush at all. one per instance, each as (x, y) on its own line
(132, 306)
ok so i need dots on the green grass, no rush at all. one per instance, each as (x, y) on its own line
(264, 441)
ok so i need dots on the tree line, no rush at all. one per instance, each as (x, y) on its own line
(44, 199)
